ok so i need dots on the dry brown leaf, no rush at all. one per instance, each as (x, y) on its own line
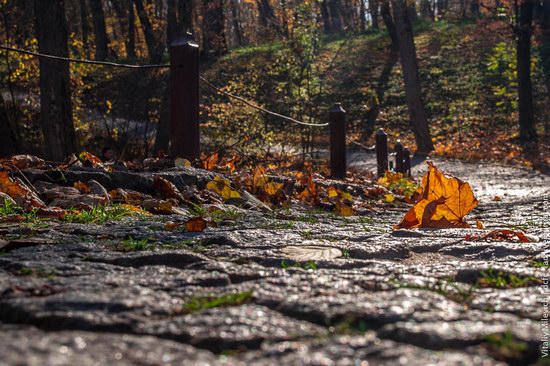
(167, 189)
(21, 194)
(195, 225)
(83, 187)
(210, 162)
(501, 235)
(26, 161)
(443, 203)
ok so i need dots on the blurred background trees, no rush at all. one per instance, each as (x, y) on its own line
(466, 66)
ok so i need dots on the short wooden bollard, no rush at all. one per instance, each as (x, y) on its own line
(407, 162)
(382, 152)
(184, 99)
(399, 158)
(338, 142)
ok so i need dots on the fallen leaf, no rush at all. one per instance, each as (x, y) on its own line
(83, 187)
(20, 193)
(223, 188)
(505, 235)
(443, 203)
(311, 253)
(210, 162)
(26, 161)
(180, 162)
(343, 210)
(271, 189)
(93, 160)
(195, 225)
(167, 189)
(479, 224)
(389, 198)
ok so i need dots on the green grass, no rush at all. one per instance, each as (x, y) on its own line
(497, 279)
(276, 225)
(36, 272)
(226, 215)
(447, 288)
(209, 302)
(539, 264)
(504, 346)
(8, 209)
(99, 215)
(308, 265)
(132, 244)
(194, 245)
(307, 234)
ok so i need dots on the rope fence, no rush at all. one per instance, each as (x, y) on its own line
(160, 66)
(185, 101)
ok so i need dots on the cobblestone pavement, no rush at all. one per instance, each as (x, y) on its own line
(283, 288)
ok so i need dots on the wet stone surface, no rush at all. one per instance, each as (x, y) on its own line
(296, 288)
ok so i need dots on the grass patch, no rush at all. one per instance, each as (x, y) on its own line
(99, 214)
(307, 265)
(7, 208)
(194, 245)
(38, 272)
(504, 347)
(497, 279)
(131, 244)
(447, 288)
(226, 215)
(210, 302)
(349, 325)
(276, 225)
(539, 264)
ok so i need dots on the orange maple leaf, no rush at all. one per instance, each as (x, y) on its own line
(443, 203)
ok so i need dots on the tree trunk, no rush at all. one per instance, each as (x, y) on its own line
(131, 40)
(413, 91)
(362, 16)
(121, 10)
(55, 93)
(172, 30)
(474, 8)
(385, 12)
(268, 21)
(185, 15)
(325, 15)
(544, 40)
(413, 15)
(214, 42)
(100, 31)
(374, 6)
(426, 10)
(154, 48)
(237, 31)
(335, 14)
(9, 145)
(84, 26)
(524, 32)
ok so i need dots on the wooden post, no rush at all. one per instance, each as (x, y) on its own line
(381, 152)
(184, 98)
(407, 162)
(399, 158)
(338, 142)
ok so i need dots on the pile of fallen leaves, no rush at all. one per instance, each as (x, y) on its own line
(255, 187)
(442, 201)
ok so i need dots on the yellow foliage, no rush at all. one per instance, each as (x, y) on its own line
(223, 188)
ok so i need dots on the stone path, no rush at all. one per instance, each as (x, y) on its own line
(285, 288)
